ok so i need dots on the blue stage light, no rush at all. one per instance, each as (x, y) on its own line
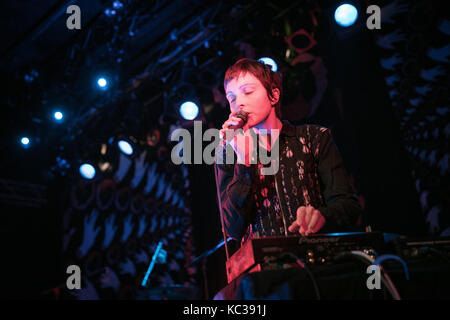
(125, 147)
(102, 82)
(58, 115)
(87, 171)
(189, 110)
(117, 4)
(345, 15)
(110, 12)
(269, 61)
(25, 141)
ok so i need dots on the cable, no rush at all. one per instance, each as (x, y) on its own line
(308, 270)
(384, 257)
(369, 261)
(439, 253)
(387, 282)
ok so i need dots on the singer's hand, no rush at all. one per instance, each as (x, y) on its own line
(309, 220)
(242, 140)
(233, 122)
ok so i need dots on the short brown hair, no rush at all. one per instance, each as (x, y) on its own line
(263, 72)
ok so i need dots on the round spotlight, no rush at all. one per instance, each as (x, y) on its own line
(102, 83)
(87, 171)
(125, 147)
(189, 110)
(269, 61)
(25, 141)
(345, 15)
(58, 115)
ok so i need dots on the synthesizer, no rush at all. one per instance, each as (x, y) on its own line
(266, 253)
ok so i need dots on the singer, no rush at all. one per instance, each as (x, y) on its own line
(309, 193)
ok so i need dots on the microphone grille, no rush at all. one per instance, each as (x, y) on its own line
(243, 115)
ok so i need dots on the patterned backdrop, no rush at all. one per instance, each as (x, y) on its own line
(114, 224)
(415, 58)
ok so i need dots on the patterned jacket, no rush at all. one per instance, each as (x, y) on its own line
(311, 172)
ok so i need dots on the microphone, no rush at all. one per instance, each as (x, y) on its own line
(243, 116)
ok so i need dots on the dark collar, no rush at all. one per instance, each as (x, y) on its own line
(287, 129)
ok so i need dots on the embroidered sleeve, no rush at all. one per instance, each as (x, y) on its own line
(235, 186)
(342, 206)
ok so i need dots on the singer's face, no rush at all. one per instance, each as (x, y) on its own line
(247, 93)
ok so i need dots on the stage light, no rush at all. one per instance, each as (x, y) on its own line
(189, 110)
(270, 62)
(87, 171)
(125, 147)
(345, 15)
(28, 78)
(102, 83)
(62, 163)
(58, 115)
(110, 12)
(31, 76)
(117, 4)
(25, 141)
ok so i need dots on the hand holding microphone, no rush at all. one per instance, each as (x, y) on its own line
(242, 143)
(235, 121)
(242, 118)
